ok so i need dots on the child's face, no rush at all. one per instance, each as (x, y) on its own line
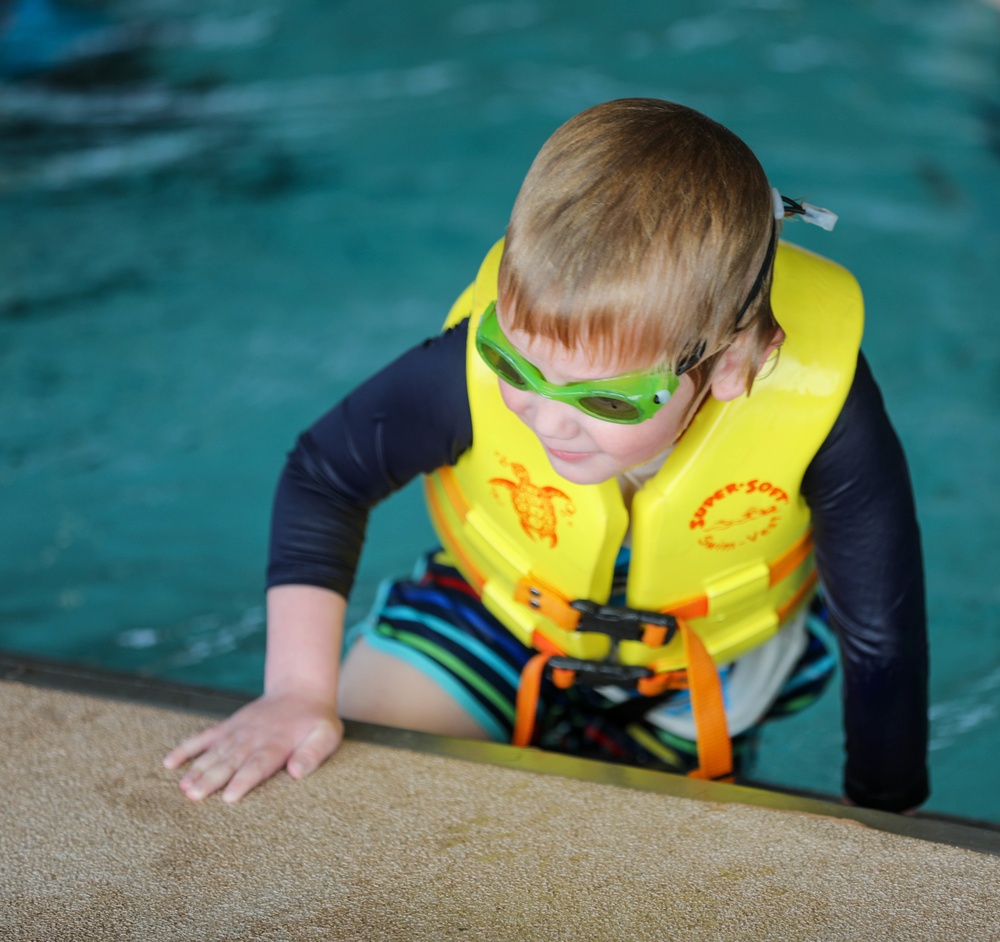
(584, 449)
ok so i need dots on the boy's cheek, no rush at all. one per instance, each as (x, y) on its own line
(517, 400)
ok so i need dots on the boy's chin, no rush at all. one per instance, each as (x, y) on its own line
(588, 471)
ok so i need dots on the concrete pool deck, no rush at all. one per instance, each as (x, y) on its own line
(405, 836)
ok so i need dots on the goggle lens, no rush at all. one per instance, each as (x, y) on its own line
(610, 409)
(503, 367)
(627, 399)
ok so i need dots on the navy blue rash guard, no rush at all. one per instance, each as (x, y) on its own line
(413, 417)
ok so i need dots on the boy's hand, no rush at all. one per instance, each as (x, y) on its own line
(270, 733)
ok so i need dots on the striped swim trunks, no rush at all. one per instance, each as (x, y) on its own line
(436, 622)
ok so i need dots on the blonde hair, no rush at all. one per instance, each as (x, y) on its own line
(639, 232)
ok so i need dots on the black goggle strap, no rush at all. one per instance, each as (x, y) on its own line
(786, 207)
(690, 360)
(761, 275)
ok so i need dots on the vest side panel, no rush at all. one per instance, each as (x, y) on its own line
(727, 503)
(521, 517)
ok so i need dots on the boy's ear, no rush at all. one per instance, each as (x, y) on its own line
(728, 377)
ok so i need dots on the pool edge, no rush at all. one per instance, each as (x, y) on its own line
(978, 836)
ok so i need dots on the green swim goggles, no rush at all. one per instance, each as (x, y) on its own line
(627, 399)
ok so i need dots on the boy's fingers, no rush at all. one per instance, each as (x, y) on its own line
(190, 748)
(318, 746)
(211, 773)
(235, 758)
(255, 770)
(206, 784)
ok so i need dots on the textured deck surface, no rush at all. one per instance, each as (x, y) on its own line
(96, 843)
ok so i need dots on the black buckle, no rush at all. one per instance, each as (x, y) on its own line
(600, 673)
(620, 623)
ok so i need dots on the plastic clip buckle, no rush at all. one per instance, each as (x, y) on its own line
(620, 623)
(599, 673)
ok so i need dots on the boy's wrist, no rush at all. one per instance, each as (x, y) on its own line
(318, 688)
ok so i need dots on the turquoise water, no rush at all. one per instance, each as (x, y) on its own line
(210, 236)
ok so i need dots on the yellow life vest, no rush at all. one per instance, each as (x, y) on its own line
(720, 535)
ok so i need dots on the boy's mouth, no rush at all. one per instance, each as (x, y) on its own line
(568, 455)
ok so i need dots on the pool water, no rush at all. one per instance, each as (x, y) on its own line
(218, 227)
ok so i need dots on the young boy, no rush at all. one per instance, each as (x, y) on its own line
(635, 492)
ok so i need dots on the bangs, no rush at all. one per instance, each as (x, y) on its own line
(656, 317)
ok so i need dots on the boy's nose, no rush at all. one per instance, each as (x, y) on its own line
(551, 419)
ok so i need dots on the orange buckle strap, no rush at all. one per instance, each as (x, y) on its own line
(715, 751)
(566, 671)
(535, 594)
(715, 748)
(529, 690)
(656, 684)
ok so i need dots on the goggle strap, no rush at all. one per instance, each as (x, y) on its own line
(761, 275)
(691, 359)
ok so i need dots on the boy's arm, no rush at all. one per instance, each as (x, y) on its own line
(410, 418)
(294, 725)
(870, 562)
(413, 416)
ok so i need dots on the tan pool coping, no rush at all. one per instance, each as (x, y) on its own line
(407, 836)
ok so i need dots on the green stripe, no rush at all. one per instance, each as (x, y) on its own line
(657, 748)
(456, 666)
(795, 705)
(686, 747)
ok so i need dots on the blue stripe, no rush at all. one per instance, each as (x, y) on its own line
(811, 672)
(367, 624)
(473, 613)
(444, 679)
(825, 664)
(446, 652)
(457, 637)
(820, 627)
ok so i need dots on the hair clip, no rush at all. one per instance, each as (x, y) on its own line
(785, 206)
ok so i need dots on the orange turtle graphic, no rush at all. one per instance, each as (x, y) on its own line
(535, 506)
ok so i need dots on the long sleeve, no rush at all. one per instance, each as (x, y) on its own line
(870, 564)
(408, 419)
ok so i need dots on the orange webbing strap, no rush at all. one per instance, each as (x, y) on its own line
(786, 564)
(781, 568)
(715, 748)
(464, 564)
(662, 682)
(548, 601)
(803, 592)
(529, 690)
